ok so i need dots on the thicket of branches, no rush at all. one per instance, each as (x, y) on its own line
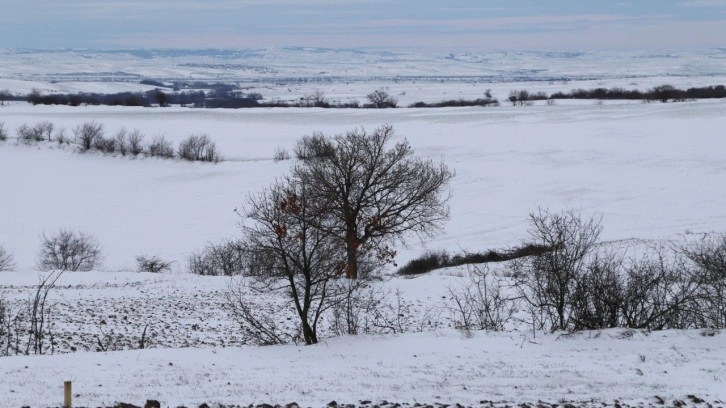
(582, 284)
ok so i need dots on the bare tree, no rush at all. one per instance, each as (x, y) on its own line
(298, 255)
(7, 261)
(375, 194)
(382, 99)
(69, 251)
(3, 132)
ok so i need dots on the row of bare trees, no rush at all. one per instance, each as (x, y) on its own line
(318, 233)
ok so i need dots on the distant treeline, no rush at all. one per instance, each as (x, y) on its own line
(204, 95)
(663, 93)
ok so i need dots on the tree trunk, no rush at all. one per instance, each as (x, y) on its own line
(351, 247)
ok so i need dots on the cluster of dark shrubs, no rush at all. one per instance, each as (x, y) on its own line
(91, 136)
(662, 93)
(149, 98)
(441, 259)
(486, 101)
(522, 97)
(220, 96)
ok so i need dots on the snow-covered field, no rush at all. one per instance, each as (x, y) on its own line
(653, 171)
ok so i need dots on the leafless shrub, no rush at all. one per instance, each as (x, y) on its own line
(481, 303)
(708, 256)
(315, 146)
(135, 142)
(105, 145)
(60, 136)
(7, 260)
(598, 295)
(224, 259)
(281, 154)
(3, 132)
(160, 147)
(198, 148)
(122, 143)
(12, 328)
(40, 312)
(152, 263)
(660, 292)
(380, 98)
(259, 321)
(546, 281)
(112, 341)
(5, 317)
(316, 99)
(69, 251)
(87, 133)
(353, 311)
(30, 133)
(45, 130)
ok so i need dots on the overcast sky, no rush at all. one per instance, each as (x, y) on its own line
(435, 25)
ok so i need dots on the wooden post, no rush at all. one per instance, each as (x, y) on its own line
(67, 394)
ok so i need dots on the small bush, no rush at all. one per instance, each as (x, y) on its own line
(281, 154)
(481, 303)
(30, 134)
(313, 147)
(87, 133)
(104, 145)
(3, 132)
(7, 261)
(135, 142)
(198, 148)
(160, 147)
(225, 259)
(121, 142)
(69, 251)
(152, 264)
(60, 136)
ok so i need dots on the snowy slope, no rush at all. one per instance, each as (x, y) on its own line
(650, 169)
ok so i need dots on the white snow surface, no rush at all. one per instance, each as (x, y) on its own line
(446, 367)
(653, 171)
